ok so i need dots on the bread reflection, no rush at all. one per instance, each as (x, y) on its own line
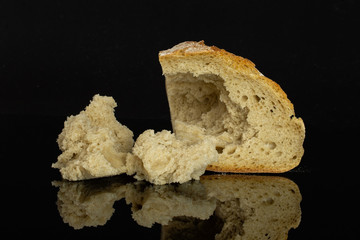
(269, 206)
(217, 206)
(89, 203)
(248, 207)
(161, 203)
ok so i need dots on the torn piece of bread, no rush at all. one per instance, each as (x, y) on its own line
(161, 158)
(214, 93)
(93, 143)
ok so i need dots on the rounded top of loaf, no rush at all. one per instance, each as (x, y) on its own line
(242, 65)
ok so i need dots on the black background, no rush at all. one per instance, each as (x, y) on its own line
(55, 55)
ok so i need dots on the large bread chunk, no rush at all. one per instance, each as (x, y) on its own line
(213, 93)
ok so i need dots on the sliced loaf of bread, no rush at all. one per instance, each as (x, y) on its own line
(213, 93)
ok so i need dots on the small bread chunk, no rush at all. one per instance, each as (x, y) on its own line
(213, 93)
(93, 143)
(161, 158)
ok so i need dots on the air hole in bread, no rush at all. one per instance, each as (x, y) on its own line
(231, 150)
(219, 149)
(257, 98)
(244, 98)
(271, 145)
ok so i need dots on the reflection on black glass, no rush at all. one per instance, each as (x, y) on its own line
(161, 203)
(89, 203)
(253, 207)
(217, 206)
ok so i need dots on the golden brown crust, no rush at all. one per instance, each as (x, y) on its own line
(243, 65)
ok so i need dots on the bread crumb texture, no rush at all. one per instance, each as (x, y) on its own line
(160, 158)
(213, 93)
(93, 143)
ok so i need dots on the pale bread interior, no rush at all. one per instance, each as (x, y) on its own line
(160, 158)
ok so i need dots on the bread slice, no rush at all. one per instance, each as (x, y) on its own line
(93, 143)
(160, 158)
(213, 93)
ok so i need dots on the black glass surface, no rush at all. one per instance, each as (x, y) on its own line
(55, 55)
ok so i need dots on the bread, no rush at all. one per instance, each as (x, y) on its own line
(93, 143)
(160, 158)
(88, 203)
(214, 93)
(248, 207)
